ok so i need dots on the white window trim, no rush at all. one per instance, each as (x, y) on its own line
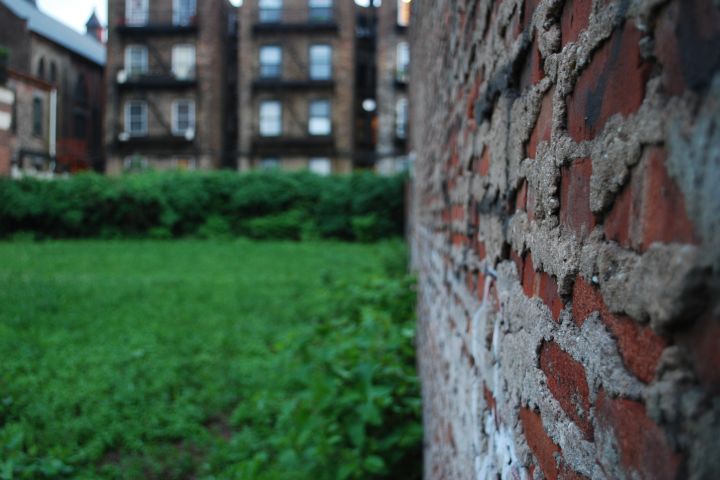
(193, 70)
(328, 118)
(175, 127)
(176, 13)
(310, 61)
(260, 123)
(144, 64)
(146, 13)
(144, 131)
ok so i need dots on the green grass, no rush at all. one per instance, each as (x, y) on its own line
(140, 359)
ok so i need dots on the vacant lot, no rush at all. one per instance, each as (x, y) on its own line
(178, 359)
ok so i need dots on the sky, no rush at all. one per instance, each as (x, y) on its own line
(75, 13)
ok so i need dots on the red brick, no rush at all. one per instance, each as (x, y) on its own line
(568, 384)
(547, 289)
(533, 70)
(527, 13)
(614, 82)
(483, 167)
(687, 41)
(575, 210)
(521, 197)
(617, 222)
(639, 347)
(644, 449)
(542, 131)
(575, 18)
(528, 276)
(665, 218)
(491, 403)
(540, 443)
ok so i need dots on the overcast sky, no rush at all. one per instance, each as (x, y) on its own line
(75, 13)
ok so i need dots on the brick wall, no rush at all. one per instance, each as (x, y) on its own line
(567, 236)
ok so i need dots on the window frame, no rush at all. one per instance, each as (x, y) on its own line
(322, 171)
(38, 116)
(174, 61)
(327, 12)
(183, 21)
(328, 118)
(311, 64)
(128, 60)
(139, 18)
(401, 124)
(402, 71)
(276, 13)
(274, 132)
(192, 120)
(128, 118)
(403, 18)
(279, 65)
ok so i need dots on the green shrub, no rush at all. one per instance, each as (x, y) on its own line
(263, 205)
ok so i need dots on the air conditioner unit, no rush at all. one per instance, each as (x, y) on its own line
(124, 137)
(122, 76)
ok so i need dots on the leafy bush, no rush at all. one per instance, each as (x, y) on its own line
(362, 207)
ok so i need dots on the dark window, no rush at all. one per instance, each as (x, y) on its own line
(37, 116)
(41, 69)
(81, 89)
(53, 72)
(80, 125)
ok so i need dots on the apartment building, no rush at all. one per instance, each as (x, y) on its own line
(170, 96)
(55, 79)
(393, 69)
(297, 85)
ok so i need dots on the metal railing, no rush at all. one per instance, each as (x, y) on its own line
(311, 15)
(168, 17)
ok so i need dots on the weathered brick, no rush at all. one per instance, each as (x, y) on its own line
(533, 71)
(543, 126)
(613, 83)
(567, 381)
(542, 446)
(687, 44)
(575, 210)
(547, 289)
(644, 449)
(575, 18)
(665, 218)
(640, 348)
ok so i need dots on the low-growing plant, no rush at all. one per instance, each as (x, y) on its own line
(362, 206)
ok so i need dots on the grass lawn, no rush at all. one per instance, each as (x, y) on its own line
(139, 359)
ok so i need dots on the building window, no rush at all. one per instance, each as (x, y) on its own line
(269, 163)
(320, 166)
(41, 69)
(320, 123)
(183, 118)
(136, 60)
(184, 12)
(403, 62)
(81, 89)
(401, 118)
(37, 117)
(270, 61)
(183, 61)
(53, 73)
(136, 12)
(403, 12)
(270, 118)
(320, 62)
(136, 121)
(321, 10)
(270, 11)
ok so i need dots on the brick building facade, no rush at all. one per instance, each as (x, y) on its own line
(169, 103)
(297, 85)
(566, 236)
(393, 74)
(45, 51)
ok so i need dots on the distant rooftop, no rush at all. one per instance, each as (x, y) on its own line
(56, 31)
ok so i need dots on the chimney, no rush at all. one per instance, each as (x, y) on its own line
(94, 28)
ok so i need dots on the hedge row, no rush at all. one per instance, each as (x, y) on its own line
(363, 207)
